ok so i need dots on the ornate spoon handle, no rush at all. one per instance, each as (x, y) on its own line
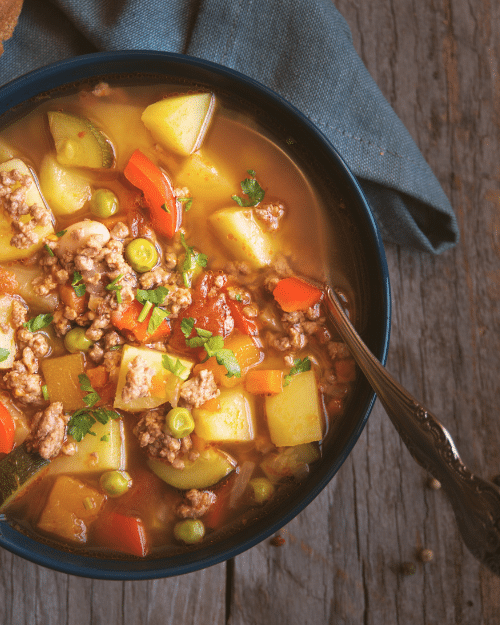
(475, 502)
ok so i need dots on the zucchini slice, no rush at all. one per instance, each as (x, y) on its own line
(17, 471)
(78, 142)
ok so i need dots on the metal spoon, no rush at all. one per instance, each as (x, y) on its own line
(475, 502)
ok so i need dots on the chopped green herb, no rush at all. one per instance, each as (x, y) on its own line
(4, 354)
(80, 424)
(187, 201)
(113, 286)
(61, 233)
(251, 172)
(187, 325)
(105, 438)
(214, 346)
(48, 250)
(252, 189)
(238, 297)
(155, 296)
(157, 316)
(78, 288)
(39, 322)
(45, 392)
(192, 259)
(299, 366)
(82, 421)
(115, 347)
(92, 397)
(144, 312)
(177, 368)
(165, 208)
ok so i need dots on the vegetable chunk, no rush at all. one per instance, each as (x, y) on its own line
(240, 233)
(208, 469)
(106, 451)
(234, 421)
(65, 189)
(164, 384)
(7, 251)
(61, 377)
(294, 415)
(179, 123)
(18, 471)
(70, 509)
(7, 335)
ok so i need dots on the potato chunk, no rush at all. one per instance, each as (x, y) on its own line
(65, 189)
(7, 251)
(294, 416)
(234, 421)
(239, 231)
(7, 338)
(165, 385)
(70, 509)
(179, 123)
(61, 377)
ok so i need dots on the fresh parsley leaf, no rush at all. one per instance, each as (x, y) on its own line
(78, 288)
(92, 397)
(48, 250)
(61, 233)
(213, 345)
(252, 189)
(187, 325)
(103, 415)
(192, 259)
(251, 172)
(80, 424)
(165, 208)
(39, 322)
(238, 297)
(187, 201)
(299, 366)
(177, 368)
(157, 316)
(155, 296)
(113, 286)
(201, 338)
(105, 438)
(227, 358)
(4, 354)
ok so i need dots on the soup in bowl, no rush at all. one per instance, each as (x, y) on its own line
(171, 389)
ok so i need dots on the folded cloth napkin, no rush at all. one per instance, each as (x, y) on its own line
(302, 49)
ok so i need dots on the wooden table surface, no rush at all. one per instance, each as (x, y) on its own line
(438, 63)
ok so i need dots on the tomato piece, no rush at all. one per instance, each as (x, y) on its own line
(241, 322)
(158, 193)
(210, 313)
(7, 430)
(122, 533)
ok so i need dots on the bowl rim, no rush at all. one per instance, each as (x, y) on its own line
(83, 67)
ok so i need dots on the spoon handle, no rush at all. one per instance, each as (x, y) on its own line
(476, 503)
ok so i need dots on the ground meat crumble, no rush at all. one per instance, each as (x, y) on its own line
(198, 390)
(48, 429)
(196, 504)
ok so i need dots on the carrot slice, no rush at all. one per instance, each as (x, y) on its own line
(7, 430)
(294, 294)
(128, 320)
(158, 193)
(264, 381)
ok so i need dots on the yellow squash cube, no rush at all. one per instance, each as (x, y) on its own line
(294, 416)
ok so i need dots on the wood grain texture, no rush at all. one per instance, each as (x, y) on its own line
(438, 64)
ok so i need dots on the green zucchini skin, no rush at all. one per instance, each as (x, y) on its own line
(17, 471)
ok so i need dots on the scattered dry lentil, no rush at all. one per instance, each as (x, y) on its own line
(426, 555)
(408, 568)
(277, 541)
(433, 484)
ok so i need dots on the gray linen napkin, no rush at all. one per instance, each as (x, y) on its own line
(302, 49)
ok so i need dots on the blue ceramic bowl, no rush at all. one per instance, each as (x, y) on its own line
(373, 318)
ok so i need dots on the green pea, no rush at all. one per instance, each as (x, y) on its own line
(115, 483)
(189, 531)
(141, 255)
(180, 422)
(104, 203)
(76, 341)
(262, 489)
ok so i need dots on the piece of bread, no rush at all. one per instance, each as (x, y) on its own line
(9, 13)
